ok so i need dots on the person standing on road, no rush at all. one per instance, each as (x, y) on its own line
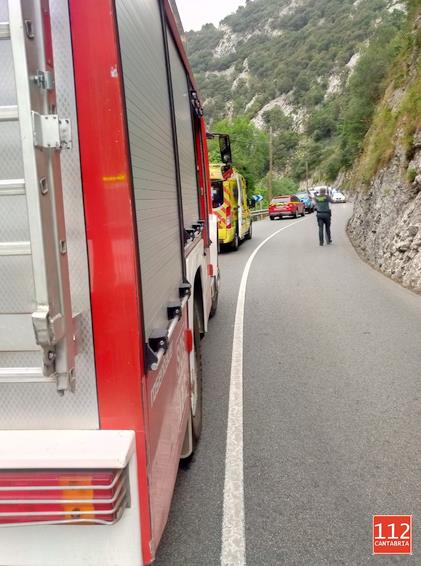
(324, 215)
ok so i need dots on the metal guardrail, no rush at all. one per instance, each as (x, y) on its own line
(259, 214)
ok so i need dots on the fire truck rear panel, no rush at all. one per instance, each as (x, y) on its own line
(24, 405)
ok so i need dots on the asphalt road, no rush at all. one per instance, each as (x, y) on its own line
(332, 407)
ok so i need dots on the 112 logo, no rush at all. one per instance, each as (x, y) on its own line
(392, 534)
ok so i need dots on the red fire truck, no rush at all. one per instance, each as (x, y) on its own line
(108, 276)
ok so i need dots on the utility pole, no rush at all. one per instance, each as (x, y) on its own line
(270, 164)
(307, 175)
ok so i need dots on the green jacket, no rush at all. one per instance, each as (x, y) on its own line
(322, 203)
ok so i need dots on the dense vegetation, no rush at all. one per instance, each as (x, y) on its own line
(340, 129)
(249, 147)
(250, 155)
(396, 123)
(324, 65)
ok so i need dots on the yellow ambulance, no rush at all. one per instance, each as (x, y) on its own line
(231, 205)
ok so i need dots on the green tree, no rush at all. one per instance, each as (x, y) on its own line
(284, 186)
(366, 87)
(280, 186)
(250, 149)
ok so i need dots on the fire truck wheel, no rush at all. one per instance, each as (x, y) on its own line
(235, 244)
(215, 298)
(197, 386)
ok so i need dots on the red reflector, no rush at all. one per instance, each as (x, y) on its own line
(210, 270)
(61, 497)
(189, 340)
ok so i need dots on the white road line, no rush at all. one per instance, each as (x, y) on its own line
(233, 522)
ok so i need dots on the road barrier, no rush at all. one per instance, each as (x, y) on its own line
(259, 214)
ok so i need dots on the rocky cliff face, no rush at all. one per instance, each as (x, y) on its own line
(386, 225)
(289, 54)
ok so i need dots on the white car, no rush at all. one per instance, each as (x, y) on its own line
(316, 190)
(337, 196)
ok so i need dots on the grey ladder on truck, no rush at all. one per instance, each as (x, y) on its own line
(48, 326)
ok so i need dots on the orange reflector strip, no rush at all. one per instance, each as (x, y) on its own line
(72, 510)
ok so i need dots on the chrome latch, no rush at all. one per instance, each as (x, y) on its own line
(195, 102)
(48, 331)
(65, 133)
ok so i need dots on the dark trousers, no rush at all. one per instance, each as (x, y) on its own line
(323, 220)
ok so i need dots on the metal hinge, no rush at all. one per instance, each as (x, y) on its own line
(48, 332)
(174, 310)
(159, 339)
(51, 132)
(45, 80)
(185, 290)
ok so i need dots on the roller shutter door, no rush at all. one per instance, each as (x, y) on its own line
(152, 155)
(186, 150)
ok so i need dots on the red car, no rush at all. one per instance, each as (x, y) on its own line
(286, 205)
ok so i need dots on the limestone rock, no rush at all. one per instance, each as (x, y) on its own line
(386, 224)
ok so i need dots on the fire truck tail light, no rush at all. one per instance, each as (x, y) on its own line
(83, 497)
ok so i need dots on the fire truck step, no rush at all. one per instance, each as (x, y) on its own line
(24, 375)
(15, 248)
(9, 113)
(12, 187)
(4, 30)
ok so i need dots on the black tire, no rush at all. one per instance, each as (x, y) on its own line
(215, 299)
(235, 244)
(303, 212)
(249, 234)
(272, 217)
(197, 417)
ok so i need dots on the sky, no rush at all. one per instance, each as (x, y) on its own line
(195, 13)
